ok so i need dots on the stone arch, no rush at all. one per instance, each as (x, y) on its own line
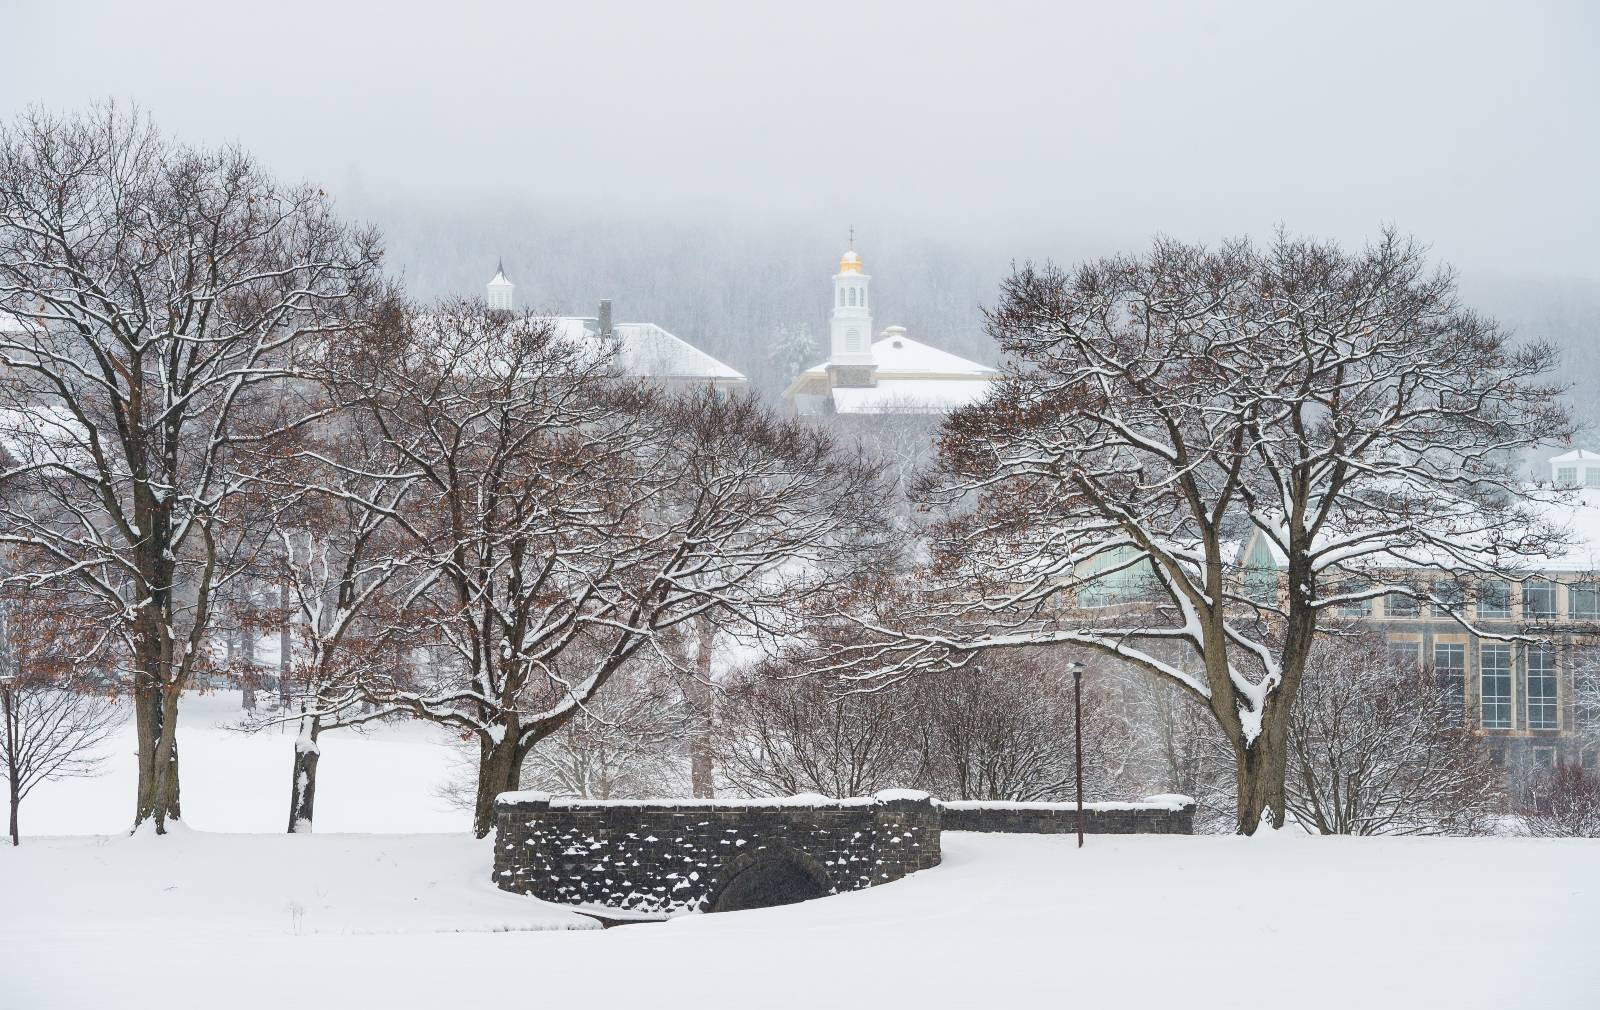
(766, 878)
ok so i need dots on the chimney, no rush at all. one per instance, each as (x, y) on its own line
(605, 317)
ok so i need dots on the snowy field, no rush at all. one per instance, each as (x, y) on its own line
(385, 920)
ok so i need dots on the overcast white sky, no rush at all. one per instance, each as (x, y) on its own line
(1473, 126)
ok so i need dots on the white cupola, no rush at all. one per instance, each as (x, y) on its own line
(850, 325)
(500, 291)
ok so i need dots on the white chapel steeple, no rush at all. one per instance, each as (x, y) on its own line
(850, 326)
(500, 290)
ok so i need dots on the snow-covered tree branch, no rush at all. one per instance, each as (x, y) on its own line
(161, 300)
(1159, 410)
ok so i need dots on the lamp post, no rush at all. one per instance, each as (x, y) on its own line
(1077, 738)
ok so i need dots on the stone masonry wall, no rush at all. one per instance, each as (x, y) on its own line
(1158, 815)
(671, 856)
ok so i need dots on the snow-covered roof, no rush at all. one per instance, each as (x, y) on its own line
(647, 350)
(1577, 511)
(499, 278)
(1576, 456)
(899, 355)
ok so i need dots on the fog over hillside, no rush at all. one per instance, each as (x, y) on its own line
(729, 285)
(701, 163)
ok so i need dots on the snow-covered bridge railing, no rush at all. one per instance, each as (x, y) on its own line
(1155, 815)
(666, 856)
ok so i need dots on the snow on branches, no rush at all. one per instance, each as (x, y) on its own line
(161, 301)
(567, 517)
(1160, 409)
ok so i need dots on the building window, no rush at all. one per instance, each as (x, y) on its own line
(863, 297)
(852, 296)
(1586, 688)
(1588, 759)
(1591, 477)
(1544, 757)
(1542, 709)
(1404, 654)
(1352, 608)
(1399, 605)
(1583, 599)
(1567, 476)
(1450, 594)
(1450, 668)
(852, 340)
(1494, 598)
(1539, 599)
(1494, 685)
(841, 298)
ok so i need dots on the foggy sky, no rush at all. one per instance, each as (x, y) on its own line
(1017, 127)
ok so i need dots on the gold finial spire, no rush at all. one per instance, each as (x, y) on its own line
(850, 262)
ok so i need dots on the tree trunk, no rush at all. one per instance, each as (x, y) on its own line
(701, 773)
(285, 638)
(156, 720)
(1259, 774)
(247, 680)
(499, 771)
(303, 786)
(10, 743)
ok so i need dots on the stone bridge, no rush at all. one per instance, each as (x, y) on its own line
(666, 856)
(625, 859)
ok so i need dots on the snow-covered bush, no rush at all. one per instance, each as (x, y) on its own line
(1563, 802)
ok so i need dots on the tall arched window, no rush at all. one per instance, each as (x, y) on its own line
(852, 296)
(863, 297)
(841, 298)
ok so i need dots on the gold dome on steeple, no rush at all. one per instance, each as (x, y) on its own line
(850, 262)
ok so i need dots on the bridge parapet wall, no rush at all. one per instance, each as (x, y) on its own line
(669, 856)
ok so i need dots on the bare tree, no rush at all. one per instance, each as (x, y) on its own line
(166, 297)
(784, 731)
(1563, 802)
(626, 743)
(1377, 746)
(558, 506)
(54, 714)
(1003, 730)
(342, 561)
(1342, 409)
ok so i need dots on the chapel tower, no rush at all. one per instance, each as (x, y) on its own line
(500, 291)
(850, 325)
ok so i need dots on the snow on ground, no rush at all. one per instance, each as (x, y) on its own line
(91, 889)
(1146, 921)
(385, 779)
(271, 920)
